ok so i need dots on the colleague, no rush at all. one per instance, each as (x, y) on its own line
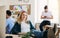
(9, 21)
(22, 25)
(46, 16)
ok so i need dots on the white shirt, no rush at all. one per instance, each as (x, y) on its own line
(48, 14)
(25, 27)
(10, 21)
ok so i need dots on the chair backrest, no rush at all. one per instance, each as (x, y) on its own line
(51, 34)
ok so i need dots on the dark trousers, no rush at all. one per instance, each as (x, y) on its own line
(43, 23)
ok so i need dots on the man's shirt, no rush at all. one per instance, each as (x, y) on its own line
(10, 22)
(47, 14)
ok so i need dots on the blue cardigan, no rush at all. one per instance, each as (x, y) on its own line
(17, 28)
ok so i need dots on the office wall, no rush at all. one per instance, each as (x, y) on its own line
(54, 8)
(59, 11)
(2, 2)
(2, 21)
(40, 8)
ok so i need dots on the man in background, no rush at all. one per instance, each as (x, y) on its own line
(9, 22)
(46, 16)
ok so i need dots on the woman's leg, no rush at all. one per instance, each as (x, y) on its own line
(38, 34)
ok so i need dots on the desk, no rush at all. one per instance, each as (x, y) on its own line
(14, 36)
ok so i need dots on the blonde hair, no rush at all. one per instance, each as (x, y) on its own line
(19, 19)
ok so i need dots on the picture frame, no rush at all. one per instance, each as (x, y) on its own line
(17, 8)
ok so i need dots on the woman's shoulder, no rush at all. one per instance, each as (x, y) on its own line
(16, 23)
(28, 21)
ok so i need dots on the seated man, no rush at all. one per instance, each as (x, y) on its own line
(46, 16)
(9, 22)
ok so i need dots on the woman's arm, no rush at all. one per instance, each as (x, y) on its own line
(31, 26)
(16, 29)
(51, 17)
(42, 17)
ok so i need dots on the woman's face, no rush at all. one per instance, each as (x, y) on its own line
(24, 16)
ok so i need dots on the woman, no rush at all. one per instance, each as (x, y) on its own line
(22, 25)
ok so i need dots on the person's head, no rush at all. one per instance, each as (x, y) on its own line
(46, 8)
(8, 13)
(23, 16)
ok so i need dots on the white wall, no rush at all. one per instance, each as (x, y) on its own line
(59, 10)
(2, 2)
(40, 8)
(53, 6)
